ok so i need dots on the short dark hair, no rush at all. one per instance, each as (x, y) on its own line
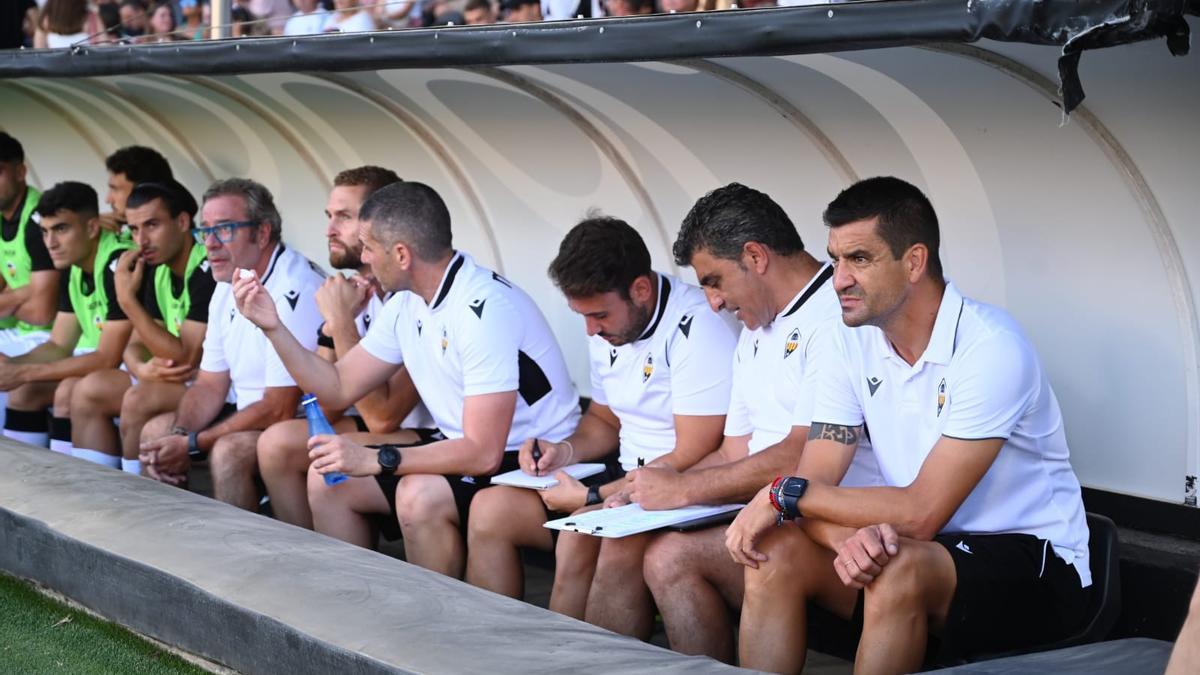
(370, 177)
(477, 4)
(139, 4)
(10, 149)
(139, 164)
(905, 215)
(260, 205)
(72, 196)
(413, 213)
(175, 197)
(723, 221)
(599, 255)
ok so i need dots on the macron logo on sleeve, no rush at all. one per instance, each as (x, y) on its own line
(477, 307)
(685, 326)
(292, 298)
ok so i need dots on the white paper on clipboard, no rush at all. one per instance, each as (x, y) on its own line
(518, 478)
(633, 519)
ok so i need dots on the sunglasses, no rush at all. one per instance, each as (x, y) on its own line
(222, 231)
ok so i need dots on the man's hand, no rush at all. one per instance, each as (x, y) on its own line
(131, 268)
(745, 530)
(11, 376)
(553, 456)
(254, 302)
(340, 300)
(617, 499)
(163, 370)
(110, 222)
(656, 488)
(335, 454)
(566, 497)
(862, 556)
(166, 459)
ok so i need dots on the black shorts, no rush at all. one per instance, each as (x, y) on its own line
(463, 488)
(1012, 593)
(361, 425)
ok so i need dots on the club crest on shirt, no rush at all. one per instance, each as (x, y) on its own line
(445, 340)
(647, 368)
(941, 396)
(793, 341)
(10, 268)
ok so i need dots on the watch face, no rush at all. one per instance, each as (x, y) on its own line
(389, 458)
(793, 488)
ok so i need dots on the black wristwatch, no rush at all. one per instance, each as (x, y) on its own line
(195, 452)
(389, 459)
(791, 489)
(593, 496)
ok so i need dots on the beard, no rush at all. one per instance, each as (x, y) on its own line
(639, 319)
(345, 259)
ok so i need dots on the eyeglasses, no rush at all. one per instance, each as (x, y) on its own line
(222, 231)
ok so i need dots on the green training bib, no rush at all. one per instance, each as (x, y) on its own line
(90, 310)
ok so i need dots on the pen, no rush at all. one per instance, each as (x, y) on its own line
(537, 457)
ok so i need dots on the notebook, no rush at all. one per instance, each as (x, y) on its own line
(518, 478)
(623, 521)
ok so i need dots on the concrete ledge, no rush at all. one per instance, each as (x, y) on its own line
(260, 596)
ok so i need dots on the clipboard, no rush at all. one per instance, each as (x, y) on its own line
(518, 478)
(623, 521)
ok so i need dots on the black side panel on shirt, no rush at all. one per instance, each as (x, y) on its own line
(532, 383)
(115, 313)
(64, 293)
(200, 290)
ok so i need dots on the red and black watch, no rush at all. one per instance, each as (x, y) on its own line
(785, 494)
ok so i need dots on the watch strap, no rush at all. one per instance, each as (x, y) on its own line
(593, 496)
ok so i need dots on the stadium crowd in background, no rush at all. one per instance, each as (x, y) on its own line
(67, 23)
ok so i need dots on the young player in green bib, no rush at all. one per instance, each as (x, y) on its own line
(29, 284)
(163, 287)
(90, 330)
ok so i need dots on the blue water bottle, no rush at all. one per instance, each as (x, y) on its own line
(319, 426)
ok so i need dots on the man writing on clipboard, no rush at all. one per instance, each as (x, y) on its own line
(750, 260)
(660, 385)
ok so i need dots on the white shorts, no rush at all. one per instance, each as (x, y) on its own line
(15, 343)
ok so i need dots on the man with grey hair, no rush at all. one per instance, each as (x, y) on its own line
(241, 232)
(482, 358)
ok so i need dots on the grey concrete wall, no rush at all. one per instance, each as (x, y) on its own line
(260, 596)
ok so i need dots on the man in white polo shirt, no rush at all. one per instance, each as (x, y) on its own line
(482, 358)
(751, 261)
(981, 538)
(660, 387)
(348, 305)
(241, 230)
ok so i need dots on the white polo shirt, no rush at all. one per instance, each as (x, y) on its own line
(979, 378)
(774, 374)
(679, 366)
(232, 344)
(419, 418)
(481, 335)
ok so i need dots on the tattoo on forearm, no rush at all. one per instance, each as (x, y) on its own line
(839, 433)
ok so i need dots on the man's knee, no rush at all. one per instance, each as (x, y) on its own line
(137, 404)
(790, 554)
(62, 396)
(667, 561)
(157, 427)
(575, 554)
(909, 578)
(234, 453)
(492, 512)
(424, 499)
(95, 390)
(282, 445)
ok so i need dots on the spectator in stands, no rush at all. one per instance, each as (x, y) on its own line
(241, 230)
(348, 306)
(309, 19)
(110, 18)
(660, 369)
(521, 11)
(349, 16)
(193, 27)
(90, 330)
(980, 536)
(557, 10)
(395, 13)
(449, 17)
(243, 23)
(162, 24)
(64, 23)
(629, 7)
(678, 6)
(127, 167)
(479, 13)
(163, 286)
(273, 13)
(133, 20)
(750, 260)
(480, 354)
(30, 289)
(18, 19)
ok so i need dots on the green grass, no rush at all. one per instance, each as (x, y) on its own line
(39, 635)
